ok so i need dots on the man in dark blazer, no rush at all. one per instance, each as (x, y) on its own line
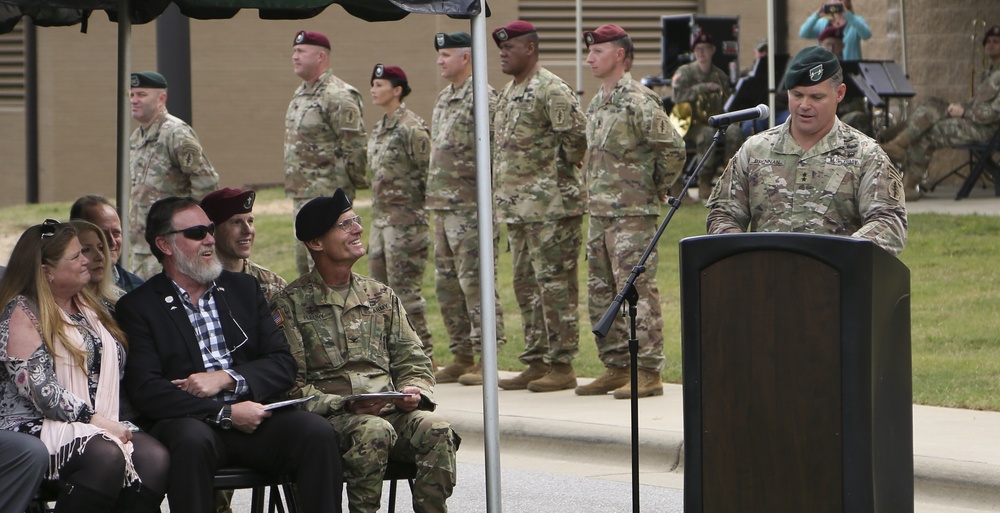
(204, 358)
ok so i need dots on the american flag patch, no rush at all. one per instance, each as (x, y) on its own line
(278, 318)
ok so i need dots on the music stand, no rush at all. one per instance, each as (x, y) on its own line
(751, 90)
(887, 79)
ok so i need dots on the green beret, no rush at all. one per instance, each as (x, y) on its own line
(453, 40)
(150, 79)
(811, 66)
(320, 214)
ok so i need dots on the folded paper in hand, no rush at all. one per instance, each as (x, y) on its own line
(290, 402)
(377, 395)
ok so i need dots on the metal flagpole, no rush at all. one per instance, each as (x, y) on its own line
(124, 185)
(484, 194)
(772, 53)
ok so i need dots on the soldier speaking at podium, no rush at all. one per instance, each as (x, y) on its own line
(814, 173)
(704, 87)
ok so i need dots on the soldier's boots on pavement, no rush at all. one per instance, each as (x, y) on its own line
(561, 376)
(474, 376)
(649, 385)
(536, 369)
(462, 364)
(612, 379)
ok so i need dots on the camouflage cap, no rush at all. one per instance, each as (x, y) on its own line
(320, 214)
(453, 40)
(992, 31)
(306, 37)
(702, 37)
(603, 34)
(811, 66)
(224, 203)
(831, 31)
(394, 74)
(512, 30)
(150, 79)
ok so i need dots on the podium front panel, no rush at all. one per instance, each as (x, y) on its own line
(788, 370)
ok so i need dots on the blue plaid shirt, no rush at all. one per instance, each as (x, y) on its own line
(204, 317)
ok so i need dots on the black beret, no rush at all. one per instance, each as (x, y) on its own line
(453, 40)
(320, 214)
(222, 204)
(811, 66)
(992, 31)
(149, 79)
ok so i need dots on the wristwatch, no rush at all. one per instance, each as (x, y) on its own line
(226, 421)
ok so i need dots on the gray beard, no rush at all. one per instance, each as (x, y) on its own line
(194, 268)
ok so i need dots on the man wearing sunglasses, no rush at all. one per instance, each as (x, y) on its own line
(204, 357)
(352, 334)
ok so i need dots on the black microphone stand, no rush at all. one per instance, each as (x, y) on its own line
(631, 294)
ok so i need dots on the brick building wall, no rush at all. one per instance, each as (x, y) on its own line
(242, 77)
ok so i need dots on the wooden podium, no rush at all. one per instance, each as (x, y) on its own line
(797, 375)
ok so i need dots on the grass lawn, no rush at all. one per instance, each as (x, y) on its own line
(955, 285)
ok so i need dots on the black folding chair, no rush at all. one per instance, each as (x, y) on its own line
(980, 159)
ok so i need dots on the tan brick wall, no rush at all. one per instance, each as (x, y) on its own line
(242, 79)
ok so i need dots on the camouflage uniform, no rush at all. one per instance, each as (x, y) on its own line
(538, 191)
(398, 152)
(634, 154)
(166, 159)
(451, 194)
(270, 283)
(690, 85)
(845, 185)
(929, 127)
(364, 344)
(324, 145)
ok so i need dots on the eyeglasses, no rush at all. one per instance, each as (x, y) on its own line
(348, 224)
(195, 232)
(231, 316)
(48, 228)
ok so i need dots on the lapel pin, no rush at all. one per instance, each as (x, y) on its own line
(168, 299)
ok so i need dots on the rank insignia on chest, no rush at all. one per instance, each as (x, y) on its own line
(803, 177)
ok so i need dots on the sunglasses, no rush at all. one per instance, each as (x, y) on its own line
(195, 232)
(48, 228)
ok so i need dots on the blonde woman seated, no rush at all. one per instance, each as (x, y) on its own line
(95, 247)
(62, 357)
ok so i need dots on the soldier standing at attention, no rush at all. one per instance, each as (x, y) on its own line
(231, 211)
(325, 139)
(398, 152)
(634, 155)
(939, 124)
(705, 87)
(165, 160)
(814, 173)
(538, 192)
(349, 336)
(451, 194)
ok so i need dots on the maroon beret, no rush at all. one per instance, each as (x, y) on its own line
(831, 31)
(992, 31)
(702, 37)
(388, 73)
(222, 204)
(305, 37)
(512, 30)
(603, 34)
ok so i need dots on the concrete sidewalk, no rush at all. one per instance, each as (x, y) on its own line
(956, 452)
(942, 201)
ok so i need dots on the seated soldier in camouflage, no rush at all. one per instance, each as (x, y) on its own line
(350, 335)
(231, 210)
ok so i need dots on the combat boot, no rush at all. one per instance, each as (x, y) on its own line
(704, 190)
(460, 365)
(536, 369)
(612, 379)
(560, 377)
(649, 384)
(474, 376)
(896, 148)
(911, 186)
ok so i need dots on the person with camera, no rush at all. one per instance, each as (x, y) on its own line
(838, 13)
